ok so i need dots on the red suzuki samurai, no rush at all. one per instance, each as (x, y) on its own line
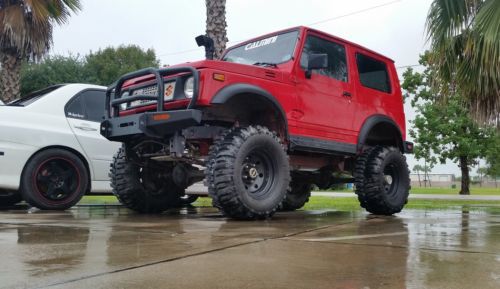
(274, 117)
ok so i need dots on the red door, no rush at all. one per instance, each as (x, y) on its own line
(326, 98)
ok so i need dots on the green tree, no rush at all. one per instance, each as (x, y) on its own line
(426, 169)
(108, 64)
(444, 131)
(53, 70)
(465, 38)
(216, 25)
(482, 172)
(493, 159)
(26, 34)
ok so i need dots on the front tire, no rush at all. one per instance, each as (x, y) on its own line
(382, 180)
(143, 189)
(54, 179)
(9, 198)
(248, 173)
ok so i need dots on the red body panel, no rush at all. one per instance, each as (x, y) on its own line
(317, 107)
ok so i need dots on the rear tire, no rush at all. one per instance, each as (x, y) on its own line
(143, 189)
(297, 196)
(9, 198)
(382, 180)
(54, 179)
(187, 200)
(248, 173)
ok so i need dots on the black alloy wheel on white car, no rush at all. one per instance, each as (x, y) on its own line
(54, 179)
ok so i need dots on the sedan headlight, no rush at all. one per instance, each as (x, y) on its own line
(189, 87)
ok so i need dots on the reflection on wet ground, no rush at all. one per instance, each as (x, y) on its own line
(111, 247)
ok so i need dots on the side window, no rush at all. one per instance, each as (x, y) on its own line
(75, 108)
(373, 73)
(337, 63)
(94, 104)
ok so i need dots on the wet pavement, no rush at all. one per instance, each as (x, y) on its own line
(111, 247)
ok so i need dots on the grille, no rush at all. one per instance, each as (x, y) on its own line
(149, 90)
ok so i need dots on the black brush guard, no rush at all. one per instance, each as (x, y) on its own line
(157, 124)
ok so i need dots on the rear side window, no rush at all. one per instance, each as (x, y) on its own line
(88, 105)
(373, 73)
(76, 108)
(94, 104)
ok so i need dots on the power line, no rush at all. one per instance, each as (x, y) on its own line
(310, 24)
(355, 12)
(408, 66)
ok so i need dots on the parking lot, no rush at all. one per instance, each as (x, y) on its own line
(111, 247)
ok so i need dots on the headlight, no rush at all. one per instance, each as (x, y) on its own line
(189, 87)
(123, 106)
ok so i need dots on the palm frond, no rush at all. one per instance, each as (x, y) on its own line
(465, 39)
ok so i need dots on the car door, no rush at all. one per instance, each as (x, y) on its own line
(84, 113)
(326, 95)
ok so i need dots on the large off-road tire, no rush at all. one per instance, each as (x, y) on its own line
(187, 200)
(9, 198)
(248, 173)
(297, 196)
(143, 189)
(54, 179)
(382, 180)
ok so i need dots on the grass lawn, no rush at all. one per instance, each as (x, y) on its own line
(319, 202)
(341, 203)
(450, 191)
(443, 191)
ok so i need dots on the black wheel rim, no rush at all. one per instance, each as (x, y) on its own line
(258, 174)
(57, 179)
(391, 180)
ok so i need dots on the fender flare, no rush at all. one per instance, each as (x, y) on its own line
(371, 122)
(228, 92)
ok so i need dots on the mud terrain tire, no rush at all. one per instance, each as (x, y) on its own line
(382, 180)
(297, 196)
(142, 189)
(248, 173)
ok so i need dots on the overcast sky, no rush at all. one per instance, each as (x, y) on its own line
(393, 28)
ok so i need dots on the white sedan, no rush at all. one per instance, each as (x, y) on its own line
(51, 152)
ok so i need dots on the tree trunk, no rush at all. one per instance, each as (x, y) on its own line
(10, 76)
(464, 167)
(216, 25)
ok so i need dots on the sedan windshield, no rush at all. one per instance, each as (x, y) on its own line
(265, 51)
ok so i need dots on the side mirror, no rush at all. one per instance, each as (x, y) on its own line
(316, 61)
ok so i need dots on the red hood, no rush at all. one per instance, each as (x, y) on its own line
(223, 66)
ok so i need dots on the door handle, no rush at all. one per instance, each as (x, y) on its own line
(346, 94)
(85, 128)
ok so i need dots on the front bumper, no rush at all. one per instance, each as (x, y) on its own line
(157, 124)
(151, 124)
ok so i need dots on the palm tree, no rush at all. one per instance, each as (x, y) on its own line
(216, 25)
(26, 34)
(465, 36)
(418, 168)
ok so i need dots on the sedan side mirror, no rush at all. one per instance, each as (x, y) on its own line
(316, 61)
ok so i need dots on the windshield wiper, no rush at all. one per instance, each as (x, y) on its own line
(266, 64)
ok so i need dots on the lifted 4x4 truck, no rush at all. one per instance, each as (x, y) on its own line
(275, 116)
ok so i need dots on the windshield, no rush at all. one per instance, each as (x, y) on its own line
(34, 96)
(265, 51)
